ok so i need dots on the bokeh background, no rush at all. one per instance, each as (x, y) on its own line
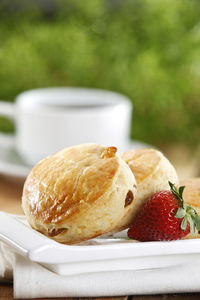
(148, 50)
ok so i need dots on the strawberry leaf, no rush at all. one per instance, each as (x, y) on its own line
(184, 205)
(184, 223)
(187, 212)
(181, 191)
(177, 193)
(180, 213)
(197, 222)
(192, 225)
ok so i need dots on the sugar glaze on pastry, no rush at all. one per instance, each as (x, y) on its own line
(79, 193)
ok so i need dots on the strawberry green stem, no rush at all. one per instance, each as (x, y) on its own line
(185, 212)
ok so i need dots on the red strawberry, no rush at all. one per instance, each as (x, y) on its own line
(165, 217)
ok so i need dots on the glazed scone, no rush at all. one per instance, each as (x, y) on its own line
(79, 193)
(152, 171)
(191, 195)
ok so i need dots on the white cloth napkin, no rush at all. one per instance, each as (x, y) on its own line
(6, 263)
(31, 280)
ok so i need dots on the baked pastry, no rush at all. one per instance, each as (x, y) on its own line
(152, 171)
(79, 193)
(191, 195)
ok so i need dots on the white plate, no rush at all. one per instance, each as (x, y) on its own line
(111, 253)
(11, 164)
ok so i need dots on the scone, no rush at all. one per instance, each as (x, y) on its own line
(79, 193)
(152, 172)
(191, 195)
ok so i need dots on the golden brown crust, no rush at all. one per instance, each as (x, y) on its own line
(142, 162)
(191, 193)
(68, 180)
(79, 193)
(152, 172)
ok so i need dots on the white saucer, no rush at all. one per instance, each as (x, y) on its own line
(12, 165)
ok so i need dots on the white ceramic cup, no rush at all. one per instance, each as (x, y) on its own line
(50, 119)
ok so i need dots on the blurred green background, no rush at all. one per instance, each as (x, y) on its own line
(148, 50)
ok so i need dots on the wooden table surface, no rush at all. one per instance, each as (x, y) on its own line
(10, 201)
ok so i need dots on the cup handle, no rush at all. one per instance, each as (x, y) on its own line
(6, 110)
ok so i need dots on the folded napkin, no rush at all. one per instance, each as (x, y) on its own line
(32, 280)
(6, 263)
